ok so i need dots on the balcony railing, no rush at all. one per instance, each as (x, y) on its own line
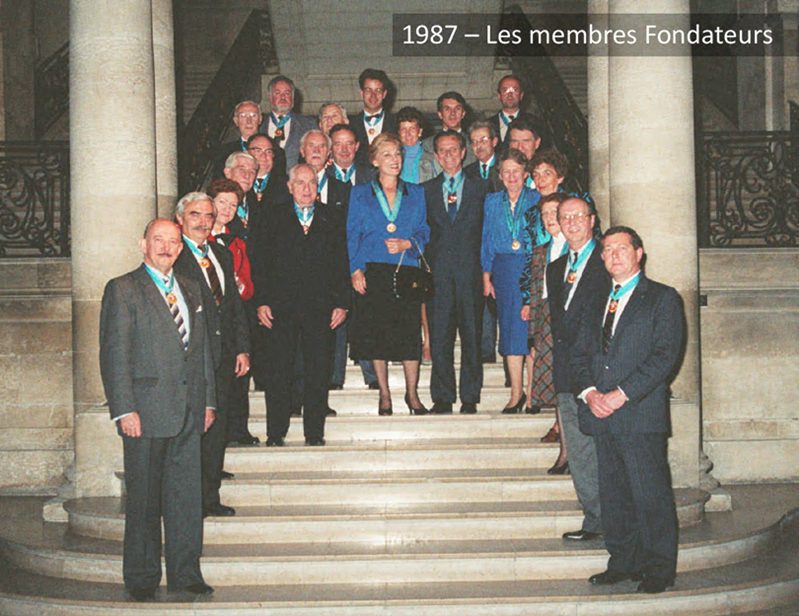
(34, 199)
(746, 192)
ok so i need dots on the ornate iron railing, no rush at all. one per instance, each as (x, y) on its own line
(746, 193)
(565, 121)
(34, 199)
(239, 78)
(51, 90)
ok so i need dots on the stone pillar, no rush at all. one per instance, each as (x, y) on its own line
(653, 189)
(598, 154)
(166, 137)
(112, 128)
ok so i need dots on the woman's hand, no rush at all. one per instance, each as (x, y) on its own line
(525, 313)
(488, 286)
(359, 282)
(396, 245)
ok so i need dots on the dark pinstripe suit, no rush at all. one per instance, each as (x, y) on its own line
(638, 514)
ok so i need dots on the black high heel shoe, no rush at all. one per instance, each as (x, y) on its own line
(516, 408)
(382, 411)
(420, 411)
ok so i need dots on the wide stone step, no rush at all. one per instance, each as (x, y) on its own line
(380, 523)
(412, 561)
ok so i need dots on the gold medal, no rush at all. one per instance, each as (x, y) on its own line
(516, 245)
(371, 131)
(259, 195)
(171, 298)
(614, 303)
(305, 229)
(571, 277)
(391, 227)
(452, 198)
(278, 132)
(204, 262)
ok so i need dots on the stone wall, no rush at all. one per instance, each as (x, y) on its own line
(36, 426)
(750, 363)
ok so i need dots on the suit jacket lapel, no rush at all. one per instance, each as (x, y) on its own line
(636, 299)
(158, 304)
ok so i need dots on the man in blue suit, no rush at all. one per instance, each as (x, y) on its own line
(627, 350)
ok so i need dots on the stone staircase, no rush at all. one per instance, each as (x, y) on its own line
(404, 515)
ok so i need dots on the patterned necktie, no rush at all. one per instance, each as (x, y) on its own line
(452, 201)
(213, 277)
(184, 335)
(570, 279)
(610, 315)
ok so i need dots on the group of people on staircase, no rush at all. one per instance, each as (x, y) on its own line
(295, 252)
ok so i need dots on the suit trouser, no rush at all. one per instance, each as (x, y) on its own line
(214, 441)
(340, 360)
(316, 341)
(455, 308)
(638, 512)
(582, 463)
(162, 479)
(238, 411)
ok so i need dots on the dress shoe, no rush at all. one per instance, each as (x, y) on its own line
(335, 387)
(200, 588)
(532, 409)
(314, 441)
(296, 412)
(441, 408)
(384, 412)
(422, 410)
(653, 585)
(553, 436)
(275, 441)
(581, 535)
(143, 594)
(330, 412)
(606, 578)
(468, 408)
(516, 408)
(374, 386)
(563, 469)
(226, 475)
(244, 441)
(489, 359)
(219, 511)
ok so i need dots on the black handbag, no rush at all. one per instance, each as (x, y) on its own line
(413, 283)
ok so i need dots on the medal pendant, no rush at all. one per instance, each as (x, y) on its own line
(571, 277)
(204, 262)
(391, 227)
(278, 132)
(171, 298)
(452, 198)
(305, 229)
(259, 195)
(371, 131)
(613, 305)
(516, 245)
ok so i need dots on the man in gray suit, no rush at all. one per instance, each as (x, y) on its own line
(283, 125)
(158, 375)
(628, 348)
(455, 215)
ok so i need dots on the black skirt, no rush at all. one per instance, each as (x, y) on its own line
(384, 327)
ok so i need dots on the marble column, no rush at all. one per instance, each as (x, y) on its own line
(653, 189)
(112, 129)
(598, 154)
(166, 138)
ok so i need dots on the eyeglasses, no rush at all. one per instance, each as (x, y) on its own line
(509, 89)
(481, 140)
(264, 151)
(244, 116)
(377, 91)
(579, 217)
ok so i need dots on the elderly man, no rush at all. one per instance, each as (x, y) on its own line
(345, 166)
(315, 149)
(628, 349)
(211, 265)
(284, 126)
(303, 293)
(573, 281)
(483, 140)
(246, 117)
(158, 376)
(331, 114)
(510, 95)
(269, 182)
(455, 216)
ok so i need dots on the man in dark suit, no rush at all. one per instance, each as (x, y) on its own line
(452, 111)
(374, 119)
(346, 166)
(483, 141)
(315, 149)
(628, 349)
(211, 265)
(573, 281)
(247, 118)
(302, 293)
(158, 376)
(284, 125)
(455, 216)
(510, 95)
